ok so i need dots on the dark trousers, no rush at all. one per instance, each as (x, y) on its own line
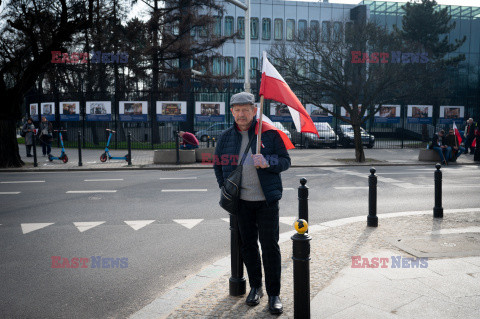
(29, 149)
(257, 220)
(46, 148)
(468, 145)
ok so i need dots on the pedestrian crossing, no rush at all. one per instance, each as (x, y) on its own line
(27, 228)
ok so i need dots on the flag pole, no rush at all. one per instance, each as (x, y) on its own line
(259, 134)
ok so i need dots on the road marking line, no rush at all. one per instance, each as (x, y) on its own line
(21, 182)
(92, 191)
(83, 226)
(166, 178)
(91, 162)
(189, 223)
(137, 224)
(288, 189)
(184, 190)
(311, 175)
(103, 180)
(29, 227)
(288, 220)
(350, 187)
(9, 193)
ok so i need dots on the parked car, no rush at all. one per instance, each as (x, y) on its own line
(213, 131)
(345, 133)
(326, 138)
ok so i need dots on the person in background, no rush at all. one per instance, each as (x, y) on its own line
(476, 157)
(29, 131)
(46, 136)
(451, 140)
(469, 136)
(189, 141)
(438, 144)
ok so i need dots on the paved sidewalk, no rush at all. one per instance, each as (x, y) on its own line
(444, 286)
(143, 159)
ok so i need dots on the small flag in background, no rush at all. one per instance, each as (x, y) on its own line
(457, 133)
(274, 87)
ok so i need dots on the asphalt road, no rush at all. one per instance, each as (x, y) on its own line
(161, 226)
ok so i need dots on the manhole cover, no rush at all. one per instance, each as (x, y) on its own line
(436, 246)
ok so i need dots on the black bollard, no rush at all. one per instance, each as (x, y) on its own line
(213, 142)
(237, 283)
(208, 142)
(438, 209)
(372, 219)
(177, 147)
(301, 270)
(129, 145)
(35, 162)
(303, 199)
(80, 149)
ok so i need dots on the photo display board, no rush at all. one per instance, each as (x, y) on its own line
(33, 109)
(100, 111)
(210, 111)
(419, 114)
(451, 114)
(168, 111)
(48, 110)
(319, 115)
(388, 114)
(133, 111)
(279, 112)
(69, 111)
(344, 112)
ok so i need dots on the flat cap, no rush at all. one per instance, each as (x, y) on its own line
(242, 98)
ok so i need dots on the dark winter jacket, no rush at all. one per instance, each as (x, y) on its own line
(273, 149)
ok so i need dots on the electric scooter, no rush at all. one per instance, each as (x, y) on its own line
(63, 156)
(106, 155)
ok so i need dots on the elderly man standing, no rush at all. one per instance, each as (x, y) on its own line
(260, 192)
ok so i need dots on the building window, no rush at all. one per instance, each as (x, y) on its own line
(302, 30)
(302, 67)
(290, 32)
(202, 31)
(266, 28)
(253, 28)
(216, 66)
(240, 67)
(217, 27)
(241, 27)
(348, 31)
(228, 65)
(314, 30)
(278, 29)
(228, 26)
(313, 69)
(337, 31)
(253, 67)
(325, 31)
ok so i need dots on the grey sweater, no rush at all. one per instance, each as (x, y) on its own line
(251, 190)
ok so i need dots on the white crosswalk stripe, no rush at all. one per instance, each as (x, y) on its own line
(9, 193)
(29, 227)
(137, 224)
(84, 226)
(189, 223)
(20, 182)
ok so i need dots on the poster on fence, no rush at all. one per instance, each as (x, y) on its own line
(69, 111)
(133, 111)
(318, 114)
(100, 111)
(210, 111)
(451, 114)
(48, 110)
(279, 112)
(346, 114)
(388, 114)
(33, 109)
(171, 111)
(419, 114)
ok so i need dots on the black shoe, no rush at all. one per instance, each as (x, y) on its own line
(254, 296)
(275, 305)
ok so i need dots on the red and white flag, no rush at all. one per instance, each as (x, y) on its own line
(457, 133)
(274, 87)
(267, 125)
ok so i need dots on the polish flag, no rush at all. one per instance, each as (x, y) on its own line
(267, 125)
(457, 133)
(274, 87)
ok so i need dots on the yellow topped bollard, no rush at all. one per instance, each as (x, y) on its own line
(301, 226)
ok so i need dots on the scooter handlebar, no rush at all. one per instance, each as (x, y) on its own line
(59, 130)
(111, 130)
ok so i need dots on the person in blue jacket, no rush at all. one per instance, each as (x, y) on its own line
(260, 192)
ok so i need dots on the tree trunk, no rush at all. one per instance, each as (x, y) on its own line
(9, 154)
(359, 154)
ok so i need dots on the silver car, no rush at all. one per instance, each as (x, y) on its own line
(326, 138)
(213, 131)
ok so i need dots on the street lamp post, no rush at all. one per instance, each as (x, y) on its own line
(245, 6)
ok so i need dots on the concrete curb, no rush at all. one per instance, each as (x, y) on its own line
(184, 290)
(182, 167)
